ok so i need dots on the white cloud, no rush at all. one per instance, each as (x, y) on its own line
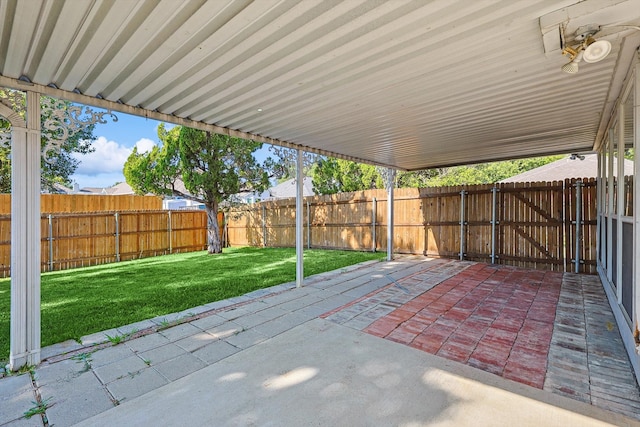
(108, 157)
(104, 166)
(101, 180)
(145, 145)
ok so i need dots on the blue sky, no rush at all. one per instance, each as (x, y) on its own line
(114, 143)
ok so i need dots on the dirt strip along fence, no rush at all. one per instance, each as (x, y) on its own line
(530, 225)
(71, 240)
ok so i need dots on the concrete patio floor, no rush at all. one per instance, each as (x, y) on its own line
(415, 341)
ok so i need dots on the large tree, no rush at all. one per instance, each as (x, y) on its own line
(202, 166)
(59, 164)
(332, 175)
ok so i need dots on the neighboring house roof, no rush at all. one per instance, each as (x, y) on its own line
(60, 189)
(566, 168)
(121, 189)
(93, 190)
(287, 189)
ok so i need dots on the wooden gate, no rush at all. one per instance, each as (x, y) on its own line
(530, 226)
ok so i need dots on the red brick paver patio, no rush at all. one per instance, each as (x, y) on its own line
(552, 331)
(496, 319)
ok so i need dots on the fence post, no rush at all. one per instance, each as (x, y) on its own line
(462, 222)
(308, 225)
(170, 230)
(374, 215)
(264, 226)
(50, 239)
(494, 201)
(226, 230)
(117, 235)
(578, 224)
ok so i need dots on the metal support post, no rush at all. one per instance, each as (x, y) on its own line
(117, 236)
(494, 202)
(226, 231)
(391, 174)
(610, 209)
(25, 236)
(462, 223)
(264, 226)
(299, 220)
(620, 201)
(374, 215)
(170, 230)
(308, 225)
(50, 241)
(578, 224)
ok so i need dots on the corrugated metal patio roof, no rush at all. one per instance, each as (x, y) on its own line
(407, 84)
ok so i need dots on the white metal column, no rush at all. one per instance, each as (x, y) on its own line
(609, 218)
(599, 210)
(620, 202)
(25, 238)
(391, 175)
(299, 220)
(636, 189)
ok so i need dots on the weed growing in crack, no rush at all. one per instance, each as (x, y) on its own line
(83, 358)
(117, 339)
(27, 369)
(164, 324)
(39, 408)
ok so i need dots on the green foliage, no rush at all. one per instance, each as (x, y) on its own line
(629, 153)
(158, 170)
(87, 300)
(218, 166)
(487, 173)
(283, 165)
(62, 164)
(197, 165)
(5, 170)
(118, 339)
(84, 358)
(415, 179)
(39, 408)
(332, 176)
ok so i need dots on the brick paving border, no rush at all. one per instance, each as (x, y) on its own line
(587, 359)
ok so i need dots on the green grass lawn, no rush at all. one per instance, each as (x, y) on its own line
(86, 300)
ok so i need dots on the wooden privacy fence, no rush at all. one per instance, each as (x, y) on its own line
(75, 203)
(531, 225)
(75, 240)
(81, 229)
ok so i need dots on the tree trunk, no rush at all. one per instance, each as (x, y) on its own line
(214, 245)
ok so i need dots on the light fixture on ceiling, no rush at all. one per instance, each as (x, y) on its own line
(596, 51)
(590, 50)
(572, 67)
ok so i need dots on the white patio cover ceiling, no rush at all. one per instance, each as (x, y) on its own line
(407, 84)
